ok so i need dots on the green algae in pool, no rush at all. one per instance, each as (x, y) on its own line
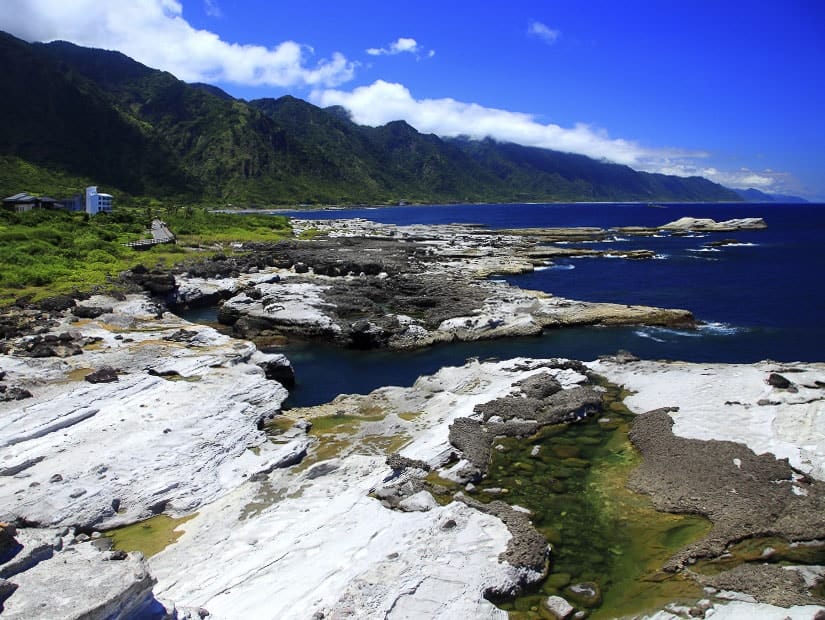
(602, 534)
(150, 536)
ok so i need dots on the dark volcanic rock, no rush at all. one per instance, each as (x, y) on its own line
(539, 386)
(279, 369)
(742, 493)
(156, 281)
(51, 345)
(182, 335)
(397, 462)
(58, 303)
(767, 583)
(560, 406)
(106, 374)
(91, 312)
(778, 381)
(13, 393)
(473, 440)
(367, 335)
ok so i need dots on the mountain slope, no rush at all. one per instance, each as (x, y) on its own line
(755, 195)
(57, 119)
(100, 115)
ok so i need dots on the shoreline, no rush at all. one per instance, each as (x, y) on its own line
(269, 511)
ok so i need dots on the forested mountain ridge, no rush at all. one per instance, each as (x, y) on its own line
(99, 116)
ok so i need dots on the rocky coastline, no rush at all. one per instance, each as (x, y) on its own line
(115, 410)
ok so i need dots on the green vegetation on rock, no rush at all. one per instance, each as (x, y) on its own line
(45, 252)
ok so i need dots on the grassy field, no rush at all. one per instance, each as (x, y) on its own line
(44, 253)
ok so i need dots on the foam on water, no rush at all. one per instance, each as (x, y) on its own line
(720, 329)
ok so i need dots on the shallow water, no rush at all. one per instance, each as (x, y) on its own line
(601, 532)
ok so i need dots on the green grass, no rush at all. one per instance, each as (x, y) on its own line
(44, 253)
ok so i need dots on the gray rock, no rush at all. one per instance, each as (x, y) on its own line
(7, 588)
(398, 463)
(422, 501)
(587, 594)
(105, 374)
(91, 312)
(778, 381)
(12, 393)
(559, 607)
(539, 386)
(279, 368)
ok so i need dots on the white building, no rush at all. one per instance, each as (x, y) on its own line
(97, 203)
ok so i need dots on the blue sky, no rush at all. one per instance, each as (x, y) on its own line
(729, 90)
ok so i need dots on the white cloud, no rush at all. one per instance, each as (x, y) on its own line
(211, 8)
(155, 33)
(400, 46)
(543, 32)
(382, 102)
(741, 178)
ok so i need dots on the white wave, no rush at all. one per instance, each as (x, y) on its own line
(721, 329)
(554, 267)
(741, 245)
(704, 250)
(661, 256)
(641, 333)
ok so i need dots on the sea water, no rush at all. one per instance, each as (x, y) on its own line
(762, 298)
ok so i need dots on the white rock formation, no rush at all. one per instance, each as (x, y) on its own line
(707, 224)
(734, 402)
(305, 542)
(100, 454)
(55, 578)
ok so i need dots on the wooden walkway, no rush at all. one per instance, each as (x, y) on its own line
(160, 234)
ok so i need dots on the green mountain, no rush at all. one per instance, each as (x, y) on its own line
(74, 114)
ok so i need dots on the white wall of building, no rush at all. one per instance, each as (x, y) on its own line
(96, 202)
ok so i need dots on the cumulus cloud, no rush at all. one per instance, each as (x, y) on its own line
(382, 102)
(400, 46)
(543, 32)
(155, 33)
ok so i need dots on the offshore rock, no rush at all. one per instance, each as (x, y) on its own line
(706, 224)
(376, 286)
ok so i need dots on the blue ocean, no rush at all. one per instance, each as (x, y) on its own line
(762, 298)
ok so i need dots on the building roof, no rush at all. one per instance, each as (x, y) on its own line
(21, 197)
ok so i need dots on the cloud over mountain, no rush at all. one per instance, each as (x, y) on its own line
(156, 33)
(382, 102)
